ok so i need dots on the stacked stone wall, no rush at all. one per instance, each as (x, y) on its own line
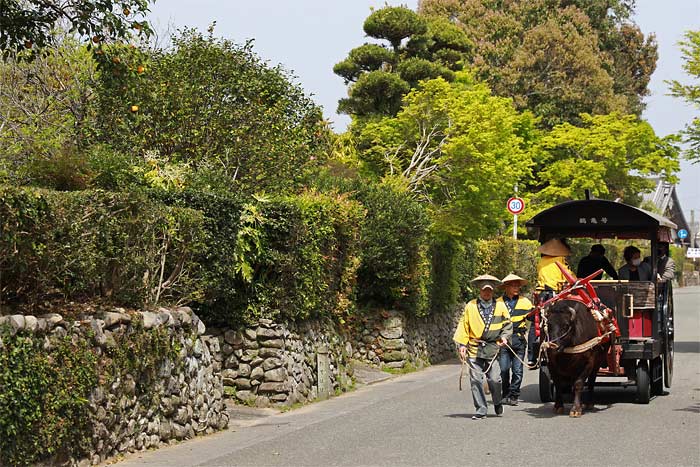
(283, 363)
(185, 398)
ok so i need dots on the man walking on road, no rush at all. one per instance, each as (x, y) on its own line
(484, 327)
(511, 359)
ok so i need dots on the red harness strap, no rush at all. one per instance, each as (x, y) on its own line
(582, 291)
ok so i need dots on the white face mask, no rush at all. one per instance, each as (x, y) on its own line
(636, 261)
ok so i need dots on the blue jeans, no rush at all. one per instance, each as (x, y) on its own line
(508, 362)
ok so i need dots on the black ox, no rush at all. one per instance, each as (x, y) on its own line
(570, 324)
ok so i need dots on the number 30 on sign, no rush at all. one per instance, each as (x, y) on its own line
(515, 205)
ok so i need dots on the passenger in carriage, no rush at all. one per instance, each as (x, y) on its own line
(634, 269)
(594, 261)
(665, 266)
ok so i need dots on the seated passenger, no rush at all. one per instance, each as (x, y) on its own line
(595, 260)
(634, 269)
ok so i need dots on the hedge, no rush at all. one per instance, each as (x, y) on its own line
(86, 244)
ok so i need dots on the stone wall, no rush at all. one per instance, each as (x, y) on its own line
(183, 400)
(285, 363)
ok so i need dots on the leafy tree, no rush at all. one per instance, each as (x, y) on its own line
(419, 49)
(690, 48)
(29, 23)
(216, 107)
(45, 104)
(614, 156)
(455, 146)
(559, 58)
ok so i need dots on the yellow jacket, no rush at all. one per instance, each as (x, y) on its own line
(517, 315)
(549, 275)
(470, 330)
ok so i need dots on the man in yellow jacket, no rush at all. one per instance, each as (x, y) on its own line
(550, 280)
(511, 359)
(483, 328)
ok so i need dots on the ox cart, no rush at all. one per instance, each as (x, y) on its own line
(642, 355)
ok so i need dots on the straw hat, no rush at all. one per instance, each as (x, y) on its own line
(554, 247)
(486, 280)
(514, 278)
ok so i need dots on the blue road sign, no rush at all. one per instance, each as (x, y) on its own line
(682, 234)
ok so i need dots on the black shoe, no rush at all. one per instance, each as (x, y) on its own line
(509, 401)
(498, 408)
(513, 401)
(478, 416)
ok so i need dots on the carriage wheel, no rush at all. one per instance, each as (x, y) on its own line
(643, 382)
(657, 385)
(668, 342)
(546, 385)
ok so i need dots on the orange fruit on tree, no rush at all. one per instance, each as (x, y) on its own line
(140, 69)
(134, 108)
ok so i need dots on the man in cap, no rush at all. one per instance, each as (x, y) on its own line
(511, 359)
(482, 329)
(550, 280)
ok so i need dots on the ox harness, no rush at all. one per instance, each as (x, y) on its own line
(580, 290)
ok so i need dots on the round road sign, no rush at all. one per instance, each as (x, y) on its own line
(682, 234)
(515, 205)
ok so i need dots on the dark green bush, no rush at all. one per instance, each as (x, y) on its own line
(119, 246)
(44, 407)
(395, 268)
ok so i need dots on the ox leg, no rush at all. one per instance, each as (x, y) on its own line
(577, 410)
(588, 395)
(558, 398)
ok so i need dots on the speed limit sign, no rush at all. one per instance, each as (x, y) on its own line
(515, 205)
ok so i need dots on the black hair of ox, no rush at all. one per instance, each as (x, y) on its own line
(570, 323)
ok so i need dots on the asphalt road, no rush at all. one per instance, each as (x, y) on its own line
(423, 419)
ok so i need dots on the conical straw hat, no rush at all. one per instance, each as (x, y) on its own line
(486, 280)
(554, 247)
(514, 278)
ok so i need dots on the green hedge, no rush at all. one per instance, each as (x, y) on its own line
(395, 266)
(84, 244)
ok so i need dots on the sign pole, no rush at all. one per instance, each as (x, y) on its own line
(515, 216)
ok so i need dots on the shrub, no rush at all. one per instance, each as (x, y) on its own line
(292, 257)
(119, 246)
(44, 398)
(395, 267)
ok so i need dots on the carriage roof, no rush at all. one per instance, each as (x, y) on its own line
(598, 218)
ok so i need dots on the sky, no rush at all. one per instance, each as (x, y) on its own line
(308, 37)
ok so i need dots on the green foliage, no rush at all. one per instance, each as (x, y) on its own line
(44, 107)
(381, 76)
(91, 243)
(44, 407)
(25, 24)
(612, 155)
(137, 354)
(690, 49)
(394, 24)
(376, 92)
(457, 147)
(395, 270)
(498, 256)
(556, 58)
(213, 108)
(289, 257)
(446, 255)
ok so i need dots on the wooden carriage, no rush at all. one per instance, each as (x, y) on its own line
(643, 354)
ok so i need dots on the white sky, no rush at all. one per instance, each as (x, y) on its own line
(309, 36)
